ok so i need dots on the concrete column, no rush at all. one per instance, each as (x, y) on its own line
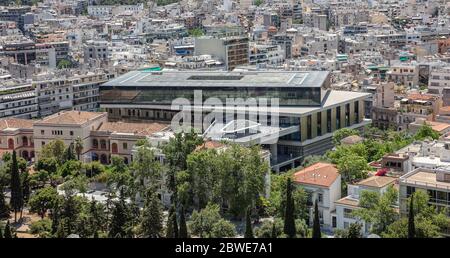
(324, 122)
(314, 125)
(333, 119)
(352, 113)
(274, 152)
(343, 116)
(303, 128)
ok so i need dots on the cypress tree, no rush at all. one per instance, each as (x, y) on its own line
(55, 217)
(183, 227)
(69, 213)
(274, 230)
(7, 233)
(152, 217)
(316, 223)
(26, 186)
(172, 226)
(289, 220)
(4, 209)
(411, 224)
(248, 225)
(119, 218)
(16, 187)
(61, 232)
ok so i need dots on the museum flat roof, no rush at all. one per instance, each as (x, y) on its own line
(220, 79)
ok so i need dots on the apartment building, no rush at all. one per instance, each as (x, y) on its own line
(22, 51)
(266, 54)
(416, 105)
(233, 51)
(18, 101)
(439, 79)
(78, 92)
(344, 216)
(404, 75)
(96, 49)
(435, 182)
(322, 183)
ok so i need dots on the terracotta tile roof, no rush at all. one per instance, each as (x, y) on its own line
(210, 145)
(377, 181)
(132, 128)
(418, 96)
(71, 117)
(438, 126)
(444, 109)
(348, 201)
(321, 174)
(16, 123)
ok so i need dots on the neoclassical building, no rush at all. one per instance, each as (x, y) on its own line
(101, 139)
(17, 134)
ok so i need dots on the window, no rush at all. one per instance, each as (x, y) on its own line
(42, 132)
(329, 121)
(42, 143)
(71, 133)
(320, 198)
(308, 128)
(125, 146)
(319, 123)
(348, 213)
(338, 118)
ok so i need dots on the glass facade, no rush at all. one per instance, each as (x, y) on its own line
(287, 96)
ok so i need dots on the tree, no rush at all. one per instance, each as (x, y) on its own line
(378, 210)
(248, 225)
(196, 32)
(258, 2)
(8, 233)
(274, 232)
(120, 174)
(208, 223)
(352, 167)
(411, 226)
(425, 131)
(146, 170)
(316, 222)
(342, 133)
(54, 149)
(176, 151)
(61, 231)
(78, 147)
(43, 200)
(354, 230)
(289, 220)
(25, 186)
(16, 201)
(69, 153)
(172, 226)
(119, 218)
(42, 228)
(64, 63)
(428, 221)
(183, 227)
(270, 229)
(223, 228)
(152, 217)
(4, 208)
